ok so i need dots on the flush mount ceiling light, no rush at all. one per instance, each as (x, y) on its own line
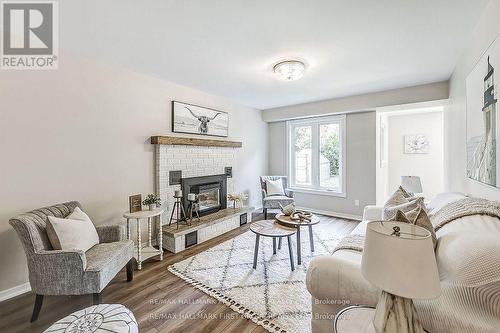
(290, 70)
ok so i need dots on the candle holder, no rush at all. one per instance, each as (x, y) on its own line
(193, 207)
(179, 208)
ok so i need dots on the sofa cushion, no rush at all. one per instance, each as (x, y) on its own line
(75, 232)
(275, 201)
(470, 259)
(105, 260)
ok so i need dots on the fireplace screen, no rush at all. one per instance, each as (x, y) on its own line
(209, 197)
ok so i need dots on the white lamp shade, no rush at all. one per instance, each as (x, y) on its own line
(404, 266)
(411, 184)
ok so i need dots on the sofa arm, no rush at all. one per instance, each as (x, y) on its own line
(373, 213)
(55, 272)
(289, 192)
(110, 233)
(337, 281)
(264, 194)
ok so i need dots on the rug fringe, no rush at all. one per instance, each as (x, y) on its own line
(247, 313)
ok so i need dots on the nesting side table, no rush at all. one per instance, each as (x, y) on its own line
(269, 228)
(288, 222)
(145, 252)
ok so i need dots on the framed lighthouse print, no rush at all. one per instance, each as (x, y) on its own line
(483, 121)
(194, 119)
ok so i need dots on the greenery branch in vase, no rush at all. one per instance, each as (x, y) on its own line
(153, 201)
(237, 198)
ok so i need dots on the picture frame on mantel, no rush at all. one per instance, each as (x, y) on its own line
(194, 119)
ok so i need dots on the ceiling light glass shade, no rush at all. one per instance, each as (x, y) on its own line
(290, 70)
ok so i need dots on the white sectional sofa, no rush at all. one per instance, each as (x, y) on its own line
(335, 281)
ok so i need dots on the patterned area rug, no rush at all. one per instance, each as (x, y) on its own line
(272, 295)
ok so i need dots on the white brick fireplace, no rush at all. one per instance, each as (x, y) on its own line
(193, 161)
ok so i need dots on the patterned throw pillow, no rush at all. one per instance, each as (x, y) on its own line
(400, 200)
(405, 193)
(418, 217)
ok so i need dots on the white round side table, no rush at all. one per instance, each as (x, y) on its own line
(143, 253)
(355, 319)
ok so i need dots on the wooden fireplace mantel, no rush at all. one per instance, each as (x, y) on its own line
(176, 140)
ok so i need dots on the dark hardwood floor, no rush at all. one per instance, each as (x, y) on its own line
(160, 301)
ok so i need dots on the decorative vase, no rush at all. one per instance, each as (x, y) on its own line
(152, 207)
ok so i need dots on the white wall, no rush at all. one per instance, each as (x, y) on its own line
(360, 162)
(487, 29)
(429, 167)
(82, 133)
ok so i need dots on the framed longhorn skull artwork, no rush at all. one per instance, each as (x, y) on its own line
(194, 119)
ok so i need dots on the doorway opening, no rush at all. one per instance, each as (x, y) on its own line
(410, 142)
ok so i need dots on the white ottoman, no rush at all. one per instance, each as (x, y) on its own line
(98, 318)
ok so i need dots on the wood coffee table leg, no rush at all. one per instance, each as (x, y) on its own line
(311, 241)
(290, 251)
(279, 243)
(274, 245)
(299, 255)
(256, 251)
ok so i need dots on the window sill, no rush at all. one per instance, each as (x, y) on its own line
(318, 192)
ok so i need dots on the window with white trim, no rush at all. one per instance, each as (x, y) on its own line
(316, 155)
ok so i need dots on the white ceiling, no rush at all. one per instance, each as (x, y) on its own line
(228, 47)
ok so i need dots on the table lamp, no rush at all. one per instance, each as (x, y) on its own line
(411, 184)
(399, 259)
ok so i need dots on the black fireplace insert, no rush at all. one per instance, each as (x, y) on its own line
(211, 191)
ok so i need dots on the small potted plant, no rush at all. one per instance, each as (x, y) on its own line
(153, 201)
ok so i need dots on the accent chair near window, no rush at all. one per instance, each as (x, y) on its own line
(274, 201)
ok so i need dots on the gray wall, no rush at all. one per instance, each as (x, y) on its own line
(360, 165)
(487, 29)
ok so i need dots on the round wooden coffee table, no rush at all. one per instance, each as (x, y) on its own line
(288, 222)
(270, 228)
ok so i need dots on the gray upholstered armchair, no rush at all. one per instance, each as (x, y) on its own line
(59, 272)
(274, 201)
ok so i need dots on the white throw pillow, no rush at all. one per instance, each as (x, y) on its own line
(274, 187)
(75, 232)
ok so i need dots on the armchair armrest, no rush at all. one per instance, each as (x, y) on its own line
(110, 233)
(289, 192)
(56, 259)
(264, 193)
(56, 272)
(372, 213)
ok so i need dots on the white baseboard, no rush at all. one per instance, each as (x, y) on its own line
(14, 291)
(333, 214)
